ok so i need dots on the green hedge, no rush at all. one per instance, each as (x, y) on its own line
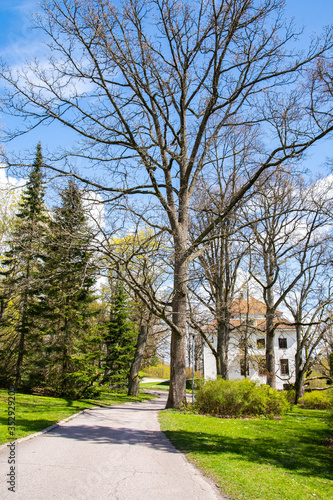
(240, 398)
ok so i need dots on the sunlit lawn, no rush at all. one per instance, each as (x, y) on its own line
(156, 386)
(35, 413)
(163, 385)
(259, 459)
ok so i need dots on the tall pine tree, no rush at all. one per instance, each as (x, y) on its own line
(72, 338)
(119, 341)
(21, 283)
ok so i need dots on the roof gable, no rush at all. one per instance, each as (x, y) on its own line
(252, 307)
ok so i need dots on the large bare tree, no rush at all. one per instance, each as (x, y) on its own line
(286, 228)
(149, 86)
(214, 273)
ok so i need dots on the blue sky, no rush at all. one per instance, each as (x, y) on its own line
(18, 42)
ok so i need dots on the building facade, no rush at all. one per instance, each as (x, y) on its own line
(247, 345)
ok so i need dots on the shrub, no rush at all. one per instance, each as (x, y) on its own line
(189, 373)
(159, 371)
(317, 400)
(290, 395)
(240, 398)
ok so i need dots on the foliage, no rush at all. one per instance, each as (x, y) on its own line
(159, 371)
(119, 340)
(317, 400)
(259, 459)
(71, 339)
(240, 398)
(290, 395)
(20, 301)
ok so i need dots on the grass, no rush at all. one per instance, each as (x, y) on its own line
(156, 386)
(258, 459)
(163, 385)
(35, 413)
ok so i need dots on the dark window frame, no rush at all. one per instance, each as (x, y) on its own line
(283, 344)
(284, 366)
(261, 341)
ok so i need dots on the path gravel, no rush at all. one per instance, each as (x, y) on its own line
(115, 453)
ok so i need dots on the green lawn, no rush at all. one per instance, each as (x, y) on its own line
(156, 386)
(35, 413)
(259, 459)
(163, 386)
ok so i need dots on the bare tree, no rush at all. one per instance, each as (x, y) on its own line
(310, 301)
(283, 230)
(149, 86)
(214, 273)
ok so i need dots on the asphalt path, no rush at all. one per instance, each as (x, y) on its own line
(114, 453)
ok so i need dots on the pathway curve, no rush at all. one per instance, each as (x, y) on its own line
(114, 453)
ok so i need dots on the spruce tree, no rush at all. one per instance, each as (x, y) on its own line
(21, 283)
(119, 341)
(72, 347)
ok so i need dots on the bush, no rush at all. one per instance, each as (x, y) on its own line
(189, 373)
(290, 395)
(317, 400)
(240, 398)
(159, 371)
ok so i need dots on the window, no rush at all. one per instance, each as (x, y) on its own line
(284, 366)
(242, 368)
(282, 343)
(261, 343)
(262, 366)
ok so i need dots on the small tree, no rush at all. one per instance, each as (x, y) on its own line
(119, 341)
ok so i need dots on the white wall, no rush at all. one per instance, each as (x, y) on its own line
(235, 356)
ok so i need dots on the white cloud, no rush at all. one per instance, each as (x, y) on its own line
(8, 183)
(95, 207)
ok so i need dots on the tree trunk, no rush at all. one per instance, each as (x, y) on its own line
(270, 269)
(133, 380)
(223, 337)
(23, 330)
(270, 354)
(177, 391)
(299, 386)
(270, 334)
(299, 372)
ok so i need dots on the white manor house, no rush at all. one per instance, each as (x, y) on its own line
(248, 325)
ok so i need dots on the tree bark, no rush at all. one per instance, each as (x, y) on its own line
(299, 372)
(133, 380)
(23, 331)
(177, 391)
(223, 337)
(270, 334)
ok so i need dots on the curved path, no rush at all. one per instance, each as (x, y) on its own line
(114, 453)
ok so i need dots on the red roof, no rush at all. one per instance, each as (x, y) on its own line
(252, 307)
(241, 308)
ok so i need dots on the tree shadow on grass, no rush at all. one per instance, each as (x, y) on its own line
(306, 456)
(28, 426)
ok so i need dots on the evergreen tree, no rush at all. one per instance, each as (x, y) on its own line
(119, 341)
(72, 339)
(21, 283)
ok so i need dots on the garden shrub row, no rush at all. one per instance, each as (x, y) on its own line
(317, 400)
(240, 398)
